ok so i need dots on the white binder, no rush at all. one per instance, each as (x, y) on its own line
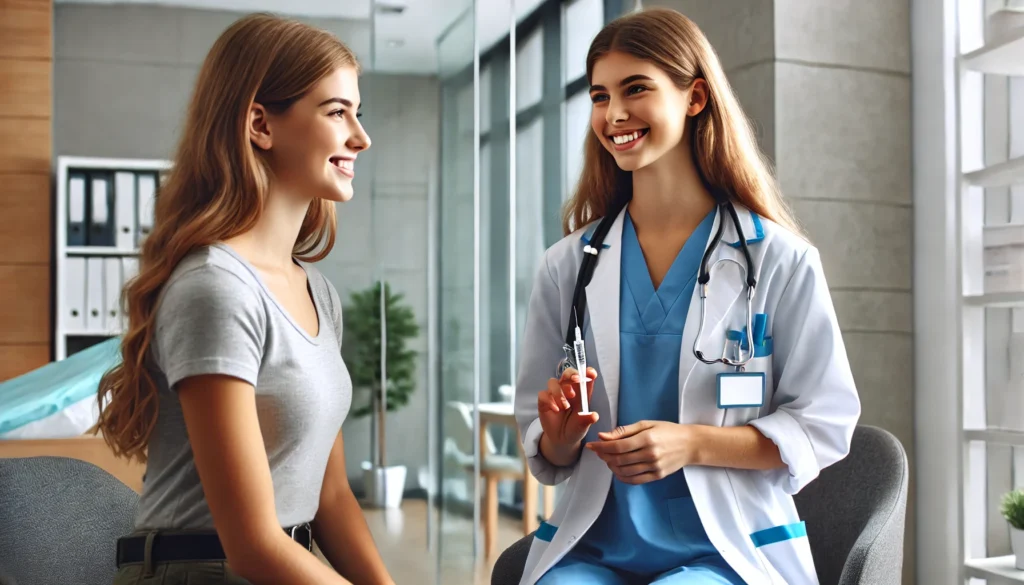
(129, 270)
(147, 200)
(74, 294)
(76, 211)
(94, 295)
(112, 321)
(124, 210)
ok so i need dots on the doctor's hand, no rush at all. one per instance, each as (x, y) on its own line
(559, 409)
(647, 450)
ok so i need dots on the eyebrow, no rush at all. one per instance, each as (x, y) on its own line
(337, 100)
(624, 82)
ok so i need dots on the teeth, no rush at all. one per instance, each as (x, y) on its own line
(625, 138)
(343, 164)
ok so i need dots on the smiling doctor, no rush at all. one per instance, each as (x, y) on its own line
(721, 385)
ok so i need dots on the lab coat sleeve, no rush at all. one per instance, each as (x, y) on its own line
(540, 353)
(815, 406)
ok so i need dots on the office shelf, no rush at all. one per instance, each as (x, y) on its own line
(1003, 174)
(987, 228)
(1002, 299)
(1002, 57)
(89, 279)
(1001, 568)
(995, 436)
(99, 251)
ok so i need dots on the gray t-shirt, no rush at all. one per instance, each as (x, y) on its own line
(215, 316)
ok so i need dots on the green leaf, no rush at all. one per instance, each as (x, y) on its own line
(1012, 508)
(361, 347)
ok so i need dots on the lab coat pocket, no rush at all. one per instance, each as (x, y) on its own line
(788, 550)
(764, 364)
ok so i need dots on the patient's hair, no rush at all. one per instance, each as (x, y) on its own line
(724, 142)
(216, 190)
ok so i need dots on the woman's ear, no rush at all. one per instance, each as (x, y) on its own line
(699, 95)
(259, 127)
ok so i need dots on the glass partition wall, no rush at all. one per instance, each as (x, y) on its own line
(514, 113)
(457, 300)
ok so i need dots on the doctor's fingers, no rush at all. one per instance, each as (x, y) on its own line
(636, 469)
(647, 456)
(640, 478)
(557, 395)
(546, 403)
(570, 382)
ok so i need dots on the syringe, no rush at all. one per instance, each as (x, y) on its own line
(581, 366)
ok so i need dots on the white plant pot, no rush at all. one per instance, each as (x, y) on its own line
(1017, 545)
(384, 486)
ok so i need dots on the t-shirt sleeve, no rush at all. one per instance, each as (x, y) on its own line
(339, 324)
(209, 322)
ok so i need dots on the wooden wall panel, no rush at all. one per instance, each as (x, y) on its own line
(25, 203)
(21, 84)
(26, 29)
(25, 145)
(18, 359)
(24, 304)
(26, 233)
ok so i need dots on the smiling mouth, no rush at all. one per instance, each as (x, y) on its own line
(345, 166)
(624, 141)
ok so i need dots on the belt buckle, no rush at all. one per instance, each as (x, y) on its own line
(309, 534)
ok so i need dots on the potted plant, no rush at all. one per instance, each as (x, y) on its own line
(1012, 509)
(363, 329)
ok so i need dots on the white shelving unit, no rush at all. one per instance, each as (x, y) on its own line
(1000, 569)
(998, 175)
(990, 403)
(104, 210)
(1002, 57)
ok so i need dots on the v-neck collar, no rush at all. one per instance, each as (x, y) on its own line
(654, 304)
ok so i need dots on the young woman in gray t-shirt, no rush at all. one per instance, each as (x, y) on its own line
(232, 386)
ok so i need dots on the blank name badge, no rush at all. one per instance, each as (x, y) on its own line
(741, 389)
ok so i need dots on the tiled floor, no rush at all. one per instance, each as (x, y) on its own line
(401, 537)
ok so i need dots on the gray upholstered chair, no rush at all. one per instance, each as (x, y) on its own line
(855, 513)
(60, 519)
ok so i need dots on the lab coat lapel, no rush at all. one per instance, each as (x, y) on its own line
(724, 290)
(603, 310)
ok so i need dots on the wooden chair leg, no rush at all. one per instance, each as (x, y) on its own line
(529, 504)
(549, 501)
(491, 516)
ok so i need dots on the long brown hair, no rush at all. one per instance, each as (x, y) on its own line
(724, 142)
(216, 190)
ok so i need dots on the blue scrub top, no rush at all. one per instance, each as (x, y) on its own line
(654, 527)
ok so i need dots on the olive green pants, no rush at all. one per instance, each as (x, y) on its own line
(179, 573)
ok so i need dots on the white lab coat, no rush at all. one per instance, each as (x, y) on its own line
(810, 409)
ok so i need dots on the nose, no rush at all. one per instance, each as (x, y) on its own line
(359, 140)
(616, 112)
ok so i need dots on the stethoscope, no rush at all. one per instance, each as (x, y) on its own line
(593, 249)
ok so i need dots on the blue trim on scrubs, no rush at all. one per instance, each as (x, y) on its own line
(778, 534)
(546, 531)
(652, 530)
(758, 230)
(589, 233)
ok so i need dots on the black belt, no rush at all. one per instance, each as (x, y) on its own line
(198, 546)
